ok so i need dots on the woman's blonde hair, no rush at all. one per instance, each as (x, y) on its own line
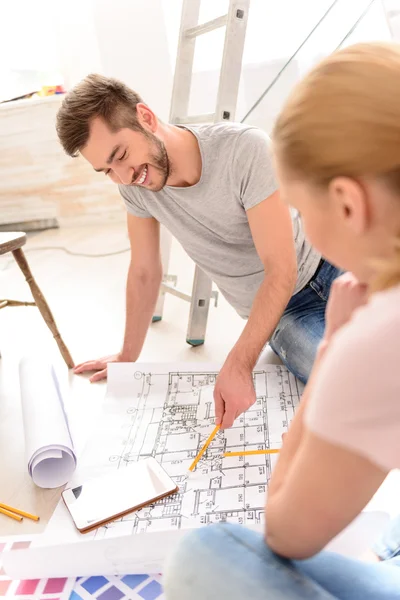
(343, 119)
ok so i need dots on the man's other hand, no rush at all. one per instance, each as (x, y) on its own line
(100, 366)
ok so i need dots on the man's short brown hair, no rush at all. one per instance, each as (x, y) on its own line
(95, 96)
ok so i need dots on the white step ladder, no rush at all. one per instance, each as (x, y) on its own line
(235, 22)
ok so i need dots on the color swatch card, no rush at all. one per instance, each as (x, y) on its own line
(130, 587)
(59, 588)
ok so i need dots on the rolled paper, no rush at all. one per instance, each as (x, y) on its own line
(49, 448)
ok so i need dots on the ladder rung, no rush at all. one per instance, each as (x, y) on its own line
(194, 119)
(206, 27)
(171, 290)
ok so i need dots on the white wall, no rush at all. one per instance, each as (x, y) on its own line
(77, 45)
(136, 41)
(393, 14)
(274, 33)
(333, 32)
(125, 39)
(47, 42)
(133, 47)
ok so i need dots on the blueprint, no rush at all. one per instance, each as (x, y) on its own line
(169, 413)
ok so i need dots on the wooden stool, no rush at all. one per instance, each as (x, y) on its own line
(12, 242)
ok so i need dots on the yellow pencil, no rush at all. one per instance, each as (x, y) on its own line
(250, 452)
(204, 448)
(19, 512)
(10, 514)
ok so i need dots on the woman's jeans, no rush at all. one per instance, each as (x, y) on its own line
(230, 562)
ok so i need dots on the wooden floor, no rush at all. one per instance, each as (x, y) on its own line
(87, 298)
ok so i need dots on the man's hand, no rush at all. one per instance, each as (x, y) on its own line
(347, 294)
(99, 365)
(234, 392)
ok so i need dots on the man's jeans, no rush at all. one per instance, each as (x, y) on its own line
(300, 330)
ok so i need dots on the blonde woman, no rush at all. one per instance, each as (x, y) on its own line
(337, 149)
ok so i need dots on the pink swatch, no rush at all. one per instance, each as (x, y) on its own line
(55, 586)
(20, 545)
(4, 585)
(27, 587)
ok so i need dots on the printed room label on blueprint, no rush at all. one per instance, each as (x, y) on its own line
(167, 411)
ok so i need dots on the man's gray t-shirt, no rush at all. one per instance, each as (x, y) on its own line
(209, 218)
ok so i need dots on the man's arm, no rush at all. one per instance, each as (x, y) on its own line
(272, 232)
(143, 284)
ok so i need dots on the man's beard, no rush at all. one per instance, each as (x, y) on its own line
(159, 160)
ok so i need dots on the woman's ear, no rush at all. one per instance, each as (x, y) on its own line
(146, 117)
(350, 201)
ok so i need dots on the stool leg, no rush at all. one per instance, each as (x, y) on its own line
(42, 305)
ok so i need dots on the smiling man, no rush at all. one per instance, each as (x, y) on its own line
(214, 189)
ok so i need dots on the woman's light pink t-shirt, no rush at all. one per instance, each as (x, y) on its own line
(355, 401)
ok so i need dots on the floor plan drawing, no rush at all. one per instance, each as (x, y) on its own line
(168, 414)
